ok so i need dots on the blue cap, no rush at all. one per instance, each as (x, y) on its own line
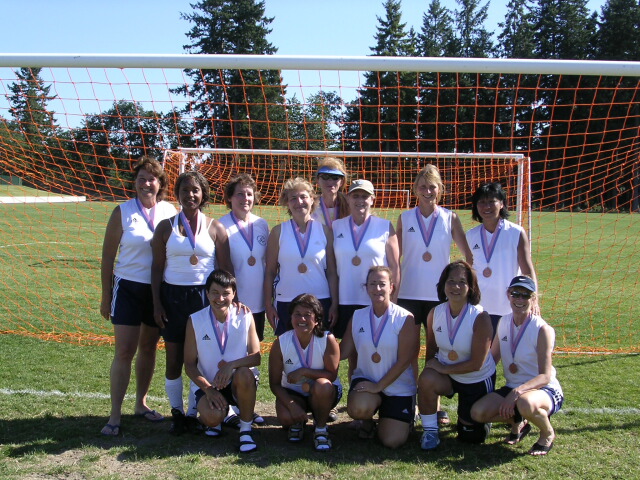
(524, 282)
(330, 171)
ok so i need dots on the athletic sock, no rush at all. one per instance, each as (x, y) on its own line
(321, 429)
(245, 426)
(192, 409)
(430, 422)
(174, 392)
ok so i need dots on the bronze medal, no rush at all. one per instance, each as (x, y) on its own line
(375, 358)
(453, 355)
(306, 387)
(251, 261)
(193, 259)
(356, 260)
(426, 256)
(302, 268)
(486, 272)
(513, 368)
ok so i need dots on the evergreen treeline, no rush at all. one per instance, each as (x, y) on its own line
(564, 130)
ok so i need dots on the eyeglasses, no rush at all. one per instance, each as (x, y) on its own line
(330, 176)
(526, 296)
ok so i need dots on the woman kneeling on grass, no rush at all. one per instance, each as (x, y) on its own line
(525, 342)
(384, 340)
(303, 372)
(221, 347)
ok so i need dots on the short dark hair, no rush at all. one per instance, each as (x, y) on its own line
(310, 301)
(200, 180)
(245, 180)
(154, 167)
(473, 297)
(489, 190)
(222, 278)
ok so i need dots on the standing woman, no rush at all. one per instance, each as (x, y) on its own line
(362, 240)
(458, 360)
(300, 256)
(248, 236)
(303, 373)
(331, 177)
(532, 394)
(384, 340)
(500, 249)
(186, 249)
(126, 289)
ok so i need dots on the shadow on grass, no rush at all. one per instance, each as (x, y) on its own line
(142, 441)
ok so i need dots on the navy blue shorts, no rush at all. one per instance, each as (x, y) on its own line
(284, 317)
(227, 392)
(345, 312)
(419, 308)
(394, 407)
(470, 393)
(306, 399)
(258, 319)
(131, 303)
(179, 302)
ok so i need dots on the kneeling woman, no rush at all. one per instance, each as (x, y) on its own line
(221, 347)
(303, 372)
(384, 339)
(458, 361)
(525, 342)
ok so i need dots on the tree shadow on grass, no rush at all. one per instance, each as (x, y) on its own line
(141, 441)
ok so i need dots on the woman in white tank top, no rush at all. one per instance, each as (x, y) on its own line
(524, 342)
(186, 249)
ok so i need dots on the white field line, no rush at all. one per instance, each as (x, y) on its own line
(104, 396)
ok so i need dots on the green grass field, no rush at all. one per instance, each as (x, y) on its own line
(54, 396)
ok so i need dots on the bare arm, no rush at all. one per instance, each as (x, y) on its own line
(392, 251)
(276, 367)
(218, 234)
(112, 236)
(399, 235)
(347, 347)
(457, 233)
(270, 272)
(524, 257)
(332, 277)
(252, 359)
(159, 249)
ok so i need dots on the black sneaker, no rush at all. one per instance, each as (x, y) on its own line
(192, 425)
(178, 422)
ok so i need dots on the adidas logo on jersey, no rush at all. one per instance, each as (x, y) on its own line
(288, 362)
(504, 339)
(411, 229)
(439, 329)
(476, 247)
(340, 236)
(206, 337)
(361, 330)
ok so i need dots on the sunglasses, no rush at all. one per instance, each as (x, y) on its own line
(330, 176)
(526, 296)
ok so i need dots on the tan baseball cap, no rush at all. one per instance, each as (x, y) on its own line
(360, 184)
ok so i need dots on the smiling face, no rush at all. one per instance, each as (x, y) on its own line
(489, 208)
(220, 297)
(303, 320)
(521, 300)
(379, 287)
(242, 200)
(299, 202)
(190, 194)
(427, 191)
(456, 287)
(147, 186)
(360, 202)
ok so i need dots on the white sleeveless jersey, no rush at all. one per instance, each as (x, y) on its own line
(461, 343)
(526, 356)
(319, 217)
(291, 362)
(419, 278)
(250, 279)
(291, 282)
(372, 252)
(405, 384)
(135, 256)
(178, 269)
(209, 354)
(503, 265)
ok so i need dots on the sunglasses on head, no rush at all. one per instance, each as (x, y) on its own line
(520, 295)
(330, 176)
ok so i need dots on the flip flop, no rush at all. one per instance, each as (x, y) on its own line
(540, 450)
(110, 430)
(150, 415)
(514, 438)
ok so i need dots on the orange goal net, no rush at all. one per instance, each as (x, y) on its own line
(562, 137)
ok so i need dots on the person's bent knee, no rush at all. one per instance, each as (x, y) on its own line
(479, 414)
(322, 388)
(358, 411)
(393, 443)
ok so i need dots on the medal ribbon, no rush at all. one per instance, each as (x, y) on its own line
(452, 331)
(187, 229)
(325, 213)
(488, 251)
(148, 218)
(427, 233)
(516, 341)
(305, 360)
(356, 237)
(376, 333)
(303, 243)
(221, 331)
(247, 234)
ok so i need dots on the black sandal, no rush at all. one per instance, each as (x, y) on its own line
(246, 440)
(538, 450)
(514, 438)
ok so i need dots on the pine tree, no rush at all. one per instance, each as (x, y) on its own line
(436, 38)
(29, 106)
(516, 39)
(473, 38)
(233, 108)
(618, 37)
